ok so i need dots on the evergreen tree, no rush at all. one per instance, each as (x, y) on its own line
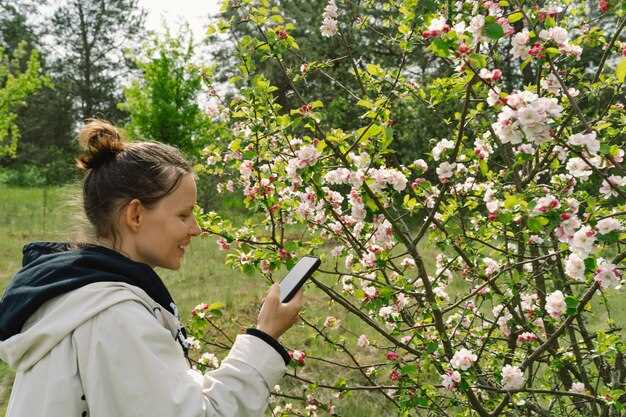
(91, 64)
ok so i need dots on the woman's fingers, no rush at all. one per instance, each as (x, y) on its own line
(297, 299)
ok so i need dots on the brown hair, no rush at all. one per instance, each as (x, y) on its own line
(117, 171)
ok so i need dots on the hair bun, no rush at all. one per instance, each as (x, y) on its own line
(101, 142)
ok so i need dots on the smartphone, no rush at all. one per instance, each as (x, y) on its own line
(296, 277)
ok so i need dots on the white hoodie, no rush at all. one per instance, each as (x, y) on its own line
(107, 349)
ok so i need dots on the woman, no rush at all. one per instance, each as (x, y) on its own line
(91, 329)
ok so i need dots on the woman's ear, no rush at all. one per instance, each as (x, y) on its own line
(133, 214)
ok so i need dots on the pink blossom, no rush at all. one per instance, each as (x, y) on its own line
(588, 140)
(487, 75)
(583, 240)
(307, 155)
(608, 225)
(551, 84)
(557, 34)
(200, 310)
(512, 378)
(421, 165)
(482, 149)
(370, 293)
(491, 266)
(529, 304)
(401, 301)
(476, 27)
(298, 356)
(332, 322)
(395, 375)
(526, 337)
(392, 356)
(578, 388)
(555, 304)
(450, 380)
(245, 169)
(265, 266)
(463, 359)
(329, 20)
(407, 262)
(445, 170)
(440, 292)
(223, 244)
(388, 176)
(575, 267)
(363, 341)
(441, 146)
(547, 203)
(569, 224)
(436, 28)
(388, 312)
(520, 42)
(607, 191)
(608, 276)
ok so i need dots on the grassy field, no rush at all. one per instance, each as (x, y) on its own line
(203, 277)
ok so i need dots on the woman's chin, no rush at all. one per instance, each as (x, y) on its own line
(172, 264)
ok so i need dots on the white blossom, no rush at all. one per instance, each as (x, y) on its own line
(209, 359)
(575, 267)
(607, 275)
(617, 181)
(442, 145)
(450, 380)
(583, 240)
(555, 304)
(463, 359)
(588, 140)
(608, 225)
(329, 20)
(578, 388)
(512, 378)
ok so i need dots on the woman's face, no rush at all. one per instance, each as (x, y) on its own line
(164, 231)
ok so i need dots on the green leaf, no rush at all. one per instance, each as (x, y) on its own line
(431, 347)
(316, 104)
(553, 52)
(494, 31)
(620, 70)
(423, 401)
(375, 70)
(590, 265)
(484, 169)
(409, 370)
(440, 48)
(572, 304)
(536, 224)
(388, 138)
(365, 103)
(214, 307)
(514, 17)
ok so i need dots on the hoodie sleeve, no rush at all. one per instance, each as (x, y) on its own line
(131, 366)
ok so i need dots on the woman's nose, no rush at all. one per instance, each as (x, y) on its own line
(195, 229)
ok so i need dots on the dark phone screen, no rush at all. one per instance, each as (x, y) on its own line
(295, 275)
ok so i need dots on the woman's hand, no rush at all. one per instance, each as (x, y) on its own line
(276, 317)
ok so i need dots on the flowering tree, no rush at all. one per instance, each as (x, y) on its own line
(520, 201)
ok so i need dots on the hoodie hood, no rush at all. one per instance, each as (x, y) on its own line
(54, 269)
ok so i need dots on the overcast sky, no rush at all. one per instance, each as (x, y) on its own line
(177, 11)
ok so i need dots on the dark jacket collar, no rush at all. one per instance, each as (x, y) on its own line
(50, 269)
